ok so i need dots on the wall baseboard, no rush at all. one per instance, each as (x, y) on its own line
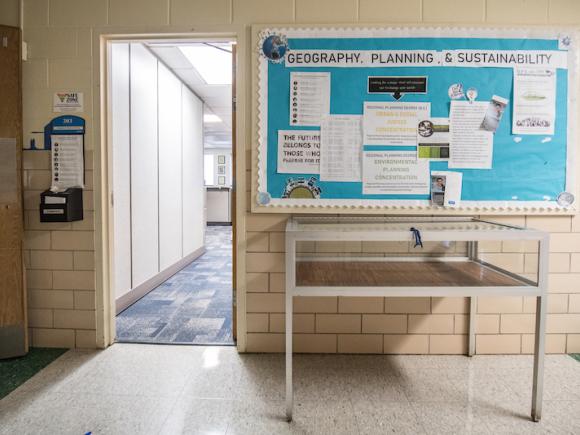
(141, 290)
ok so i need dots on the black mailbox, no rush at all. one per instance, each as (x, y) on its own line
(66, 206)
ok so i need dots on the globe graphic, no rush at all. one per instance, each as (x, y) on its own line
(274, 48)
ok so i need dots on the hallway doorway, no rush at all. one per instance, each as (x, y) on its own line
(171, 121)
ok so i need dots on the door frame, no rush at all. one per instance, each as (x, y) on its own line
(104, 256)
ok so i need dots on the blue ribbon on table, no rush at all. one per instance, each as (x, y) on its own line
(417, 235)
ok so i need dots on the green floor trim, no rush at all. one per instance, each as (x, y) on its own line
(15, 371)
(576, 356)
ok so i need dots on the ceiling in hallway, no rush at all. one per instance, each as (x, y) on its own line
(217, 97)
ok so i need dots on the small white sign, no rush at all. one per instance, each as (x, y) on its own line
(68, 102)
(298, 151)
(394, 173)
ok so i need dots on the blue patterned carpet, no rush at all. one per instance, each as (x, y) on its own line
(192, 307)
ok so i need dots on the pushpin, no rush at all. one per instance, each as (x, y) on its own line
(565, 199)
(471, 94)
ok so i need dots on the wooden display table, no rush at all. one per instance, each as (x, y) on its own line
(417, 276)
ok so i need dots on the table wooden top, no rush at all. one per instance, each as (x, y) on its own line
(399, 274)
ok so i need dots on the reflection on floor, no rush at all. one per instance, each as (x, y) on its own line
(143, 389)
(193, 307)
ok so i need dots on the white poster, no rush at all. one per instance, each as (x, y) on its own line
(393, 123)
(471, 147)
(446, 188)
(534, 101)
(394, 172)
(67, 161)
(67, 102)
(433, 139)
(309, 98)
(298, 151)
(341, 148)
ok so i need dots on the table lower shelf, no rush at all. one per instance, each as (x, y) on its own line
(314, 273)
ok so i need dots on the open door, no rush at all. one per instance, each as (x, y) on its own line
(13, 322)
(234, 195)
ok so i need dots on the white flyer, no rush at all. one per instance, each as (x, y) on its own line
(471, 147)
(394, 172)
(341, 148)
(67, 102)
(446, 188)
(393, 123)
(298, 151)
(309, 98)
(67, 161)
(433, 139)
(534, 101)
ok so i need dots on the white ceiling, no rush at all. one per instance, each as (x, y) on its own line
(217, 98)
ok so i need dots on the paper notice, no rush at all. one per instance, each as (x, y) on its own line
(67, 102)
(67, 161)
(298, 151)
(433, 139)
(446, 188)
(394, 172)
(309, 98)
(393, 123)
(534, 101)
(341, 148)
(471, 146)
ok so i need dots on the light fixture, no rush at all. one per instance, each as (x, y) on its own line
(210, 117)
(214, 64)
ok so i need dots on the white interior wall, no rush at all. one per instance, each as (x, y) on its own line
(221, 152)
(192, 164)
(120, 136)
(170, 170)
(144, 165)
(157, 141)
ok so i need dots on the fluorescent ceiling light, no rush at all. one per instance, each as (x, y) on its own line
(214, 65)
(210, 117)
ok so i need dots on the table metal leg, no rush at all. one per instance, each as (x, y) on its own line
(539, 350)
(472, 314)
(289, 393)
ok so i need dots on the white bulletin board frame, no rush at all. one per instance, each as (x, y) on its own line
(400, 206)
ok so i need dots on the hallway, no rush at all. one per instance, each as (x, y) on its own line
(192, 307)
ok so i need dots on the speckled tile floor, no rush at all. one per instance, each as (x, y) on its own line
(145, 389)
(194, 306)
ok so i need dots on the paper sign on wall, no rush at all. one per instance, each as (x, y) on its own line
(394, 172)
(393, 123)
(446, 188)
(471, 146)
(298, 151)
(433, 139)
(67, 102)
(534, 101)
(67, 161)
(341, 148)
(309, 98)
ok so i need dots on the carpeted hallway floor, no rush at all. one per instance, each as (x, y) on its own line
(192, 307)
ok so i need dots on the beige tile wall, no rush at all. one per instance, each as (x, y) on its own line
(60, 257)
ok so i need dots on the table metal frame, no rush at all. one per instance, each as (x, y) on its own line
(528, 287)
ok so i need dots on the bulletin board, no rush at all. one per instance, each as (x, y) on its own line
(529, 171)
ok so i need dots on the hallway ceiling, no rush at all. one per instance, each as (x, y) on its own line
(217, 97)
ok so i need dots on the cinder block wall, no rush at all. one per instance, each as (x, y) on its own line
(60, 257)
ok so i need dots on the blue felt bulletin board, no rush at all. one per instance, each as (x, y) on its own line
(528, 172)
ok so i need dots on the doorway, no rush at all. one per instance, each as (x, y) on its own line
(171, 124)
